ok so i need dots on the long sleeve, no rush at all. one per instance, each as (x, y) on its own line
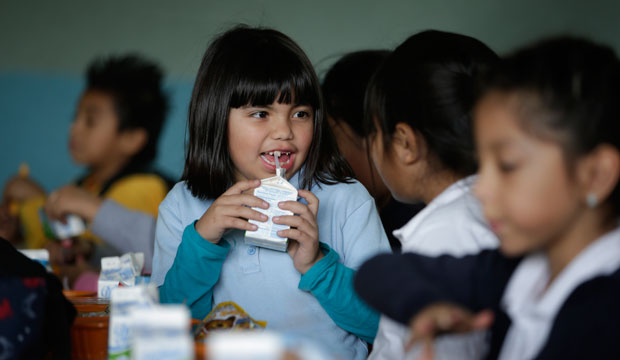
(332, 284)
(401, 285)
(126, 230)
(194, 272)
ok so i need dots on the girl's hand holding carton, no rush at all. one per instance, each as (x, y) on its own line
(304, 250)
(230, 211)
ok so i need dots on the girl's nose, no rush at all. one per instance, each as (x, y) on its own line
(281, 129)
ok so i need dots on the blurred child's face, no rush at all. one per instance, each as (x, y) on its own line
(354, 150)
(94, 133)
(528, 194)
(255, 132)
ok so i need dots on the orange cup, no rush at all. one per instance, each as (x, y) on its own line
(69, 294)
(89, 338)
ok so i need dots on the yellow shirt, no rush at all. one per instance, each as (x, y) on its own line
(140, 192)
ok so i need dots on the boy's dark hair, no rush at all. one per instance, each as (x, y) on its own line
(430, 83)
(253, 66)
(135, 84)
(344, 87)
(571, 89)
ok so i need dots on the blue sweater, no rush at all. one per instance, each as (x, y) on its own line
(320, 305)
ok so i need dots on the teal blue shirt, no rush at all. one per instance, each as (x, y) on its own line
(320, 305)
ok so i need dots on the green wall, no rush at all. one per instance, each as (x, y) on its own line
(45, 45)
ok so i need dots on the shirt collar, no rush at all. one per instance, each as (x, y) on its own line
(452, 192)
(533, 309)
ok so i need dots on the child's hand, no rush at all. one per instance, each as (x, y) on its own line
(231, 211)
(443, 318)
(304, 231)
(72, 200)
(20, 188)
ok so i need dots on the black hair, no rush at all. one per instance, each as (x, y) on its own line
(572, 90)
(344, 87)
(254, 66)
(135, 85)
(430, 83)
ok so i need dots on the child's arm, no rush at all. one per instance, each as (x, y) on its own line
(194, 273)
(125, 229)
(188, 265)
(331, 283)
(72, 199)
(402, 285)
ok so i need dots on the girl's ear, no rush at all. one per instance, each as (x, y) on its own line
(406, 144)
(600, 173)
(133, 140)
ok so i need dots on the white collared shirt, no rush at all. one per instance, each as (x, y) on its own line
(532, 310)
(452, 224)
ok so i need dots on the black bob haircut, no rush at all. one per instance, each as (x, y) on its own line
(431, 83)
(344, 87)
(569, 90)
(254, 66)
(135, 85)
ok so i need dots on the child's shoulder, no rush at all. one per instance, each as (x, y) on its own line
(353, 193)
(180, 192)
(140, 181)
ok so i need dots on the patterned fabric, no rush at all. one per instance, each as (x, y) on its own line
(35, 317)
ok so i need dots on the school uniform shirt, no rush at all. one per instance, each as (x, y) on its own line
(452, 223)
(319, 305)
(574, 317)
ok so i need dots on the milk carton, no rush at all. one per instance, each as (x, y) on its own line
(161, 332)
(124, 270)
(123, 302)
(273, 190)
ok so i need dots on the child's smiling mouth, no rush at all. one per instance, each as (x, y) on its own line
(284, 159)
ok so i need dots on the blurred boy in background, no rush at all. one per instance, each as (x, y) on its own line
(114, 135)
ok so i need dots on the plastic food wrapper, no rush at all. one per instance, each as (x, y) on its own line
(74, 226)
(273, 190)
(161, 332)
(124, 270)
(227, 316)
(124, 301)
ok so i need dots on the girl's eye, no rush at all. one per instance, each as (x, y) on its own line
(507, 167)
(259, 114)
(301, 114)
(90, 121)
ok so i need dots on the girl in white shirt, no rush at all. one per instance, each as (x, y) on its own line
(419, 107)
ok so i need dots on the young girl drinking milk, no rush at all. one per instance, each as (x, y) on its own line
(548, 138)
(256, 94)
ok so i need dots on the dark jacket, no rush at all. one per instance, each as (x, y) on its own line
(586, 327)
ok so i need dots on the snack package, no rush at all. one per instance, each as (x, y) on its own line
(124, 270)
(75, 226)
(161, 332)
(227, 316)
(123, 301)
(273, 190)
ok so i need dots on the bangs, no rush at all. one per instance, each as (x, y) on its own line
(265, 78)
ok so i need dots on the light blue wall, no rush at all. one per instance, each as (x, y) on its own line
(36, 110)
(45, 45)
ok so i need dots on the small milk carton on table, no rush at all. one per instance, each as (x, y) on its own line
(273, 190)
